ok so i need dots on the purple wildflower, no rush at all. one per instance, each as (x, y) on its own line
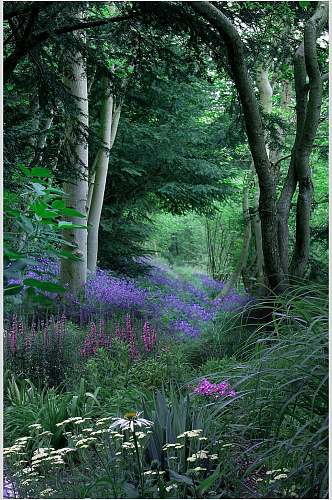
(207, 388)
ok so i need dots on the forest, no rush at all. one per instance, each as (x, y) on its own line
(165, 249)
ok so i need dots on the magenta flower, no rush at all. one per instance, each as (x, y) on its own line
(149, 337)
(13, 335)
(207, 388)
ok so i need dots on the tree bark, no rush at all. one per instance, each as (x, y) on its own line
(265, 98)
(245, 246)
(303, 209)
(256, 139)
(301, 253)
(74, 273)
(45, 125)
(109, 121)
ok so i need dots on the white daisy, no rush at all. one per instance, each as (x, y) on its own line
(130, 421)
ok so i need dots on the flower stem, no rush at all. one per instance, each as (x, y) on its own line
(139, 463)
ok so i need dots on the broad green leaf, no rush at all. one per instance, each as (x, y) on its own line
(38, 188)
(67, 255)
(48, 286)
(41, 172)
(209, 481)
(12, 290)
(27, 224)
(72, 212)
(180, 478)
(41, 209)
(59, 204)
(11, 254)
(24, 169)
(54, 190)
(41, 299)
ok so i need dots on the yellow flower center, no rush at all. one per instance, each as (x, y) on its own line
(130, 415)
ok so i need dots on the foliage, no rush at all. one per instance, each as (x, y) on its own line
(42, 350)
(34, 221)
(149, 383)
(29, 409)
(285, 405)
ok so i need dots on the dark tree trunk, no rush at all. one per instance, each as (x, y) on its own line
(303, 209)
(290, 184)
(256, 139)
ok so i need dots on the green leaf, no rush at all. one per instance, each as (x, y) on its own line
(47, 286)
(38, 188)
(70, 225)
(59, 204)
(131, 171)
(24, 169)
(10, 254)
(26, 224)
(41, 299)
(180, 478)
(41, 209)
(54, 190)
(12, 290)
(41, 172)
(304, 4)
(72, 212)
(209, 481)
(67, 255)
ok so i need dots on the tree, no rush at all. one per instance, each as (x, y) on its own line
(109, 121)
(74, 273)
(255, 132)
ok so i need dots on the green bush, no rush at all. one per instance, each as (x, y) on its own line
(213, 366)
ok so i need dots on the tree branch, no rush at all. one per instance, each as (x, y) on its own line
(281, 159)
(44, 35)
(25, 45)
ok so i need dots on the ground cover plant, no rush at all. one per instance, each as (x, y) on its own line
(165, 250)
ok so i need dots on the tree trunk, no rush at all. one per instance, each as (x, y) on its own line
(265, 97)
(110, 116)
(245, 246)
(45, 125)
(256, 139)
(35, 119)
(301, 149)
(74, 273)
(303, 209)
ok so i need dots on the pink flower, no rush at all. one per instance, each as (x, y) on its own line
(13, 335)
(207, 388)
(149, 337)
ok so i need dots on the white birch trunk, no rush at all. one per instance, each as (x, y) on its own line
(74, 273)
(109, 121)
